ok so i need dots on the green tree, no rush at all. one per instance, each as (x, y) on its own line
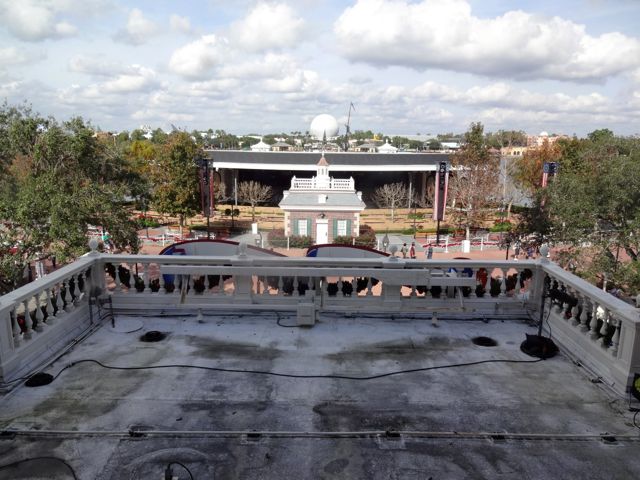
(595, 201)
(175, 178)
(58, 178)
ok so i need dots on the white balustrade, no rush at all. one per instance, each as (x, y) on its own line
(598, 329)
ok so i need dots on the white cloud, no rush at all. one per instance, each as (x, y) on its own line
(14, 56)
(198, 58)
(141, 79)
(180, 24)
(32, 20)
(444, 34)
(95, 65)
(268, 26)
(138, 29)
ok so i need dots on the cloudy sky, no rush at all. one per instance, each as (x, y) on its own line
(421, 66)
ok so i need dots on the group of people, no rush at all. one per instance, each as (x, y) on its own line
(528, 251)
(411, 251)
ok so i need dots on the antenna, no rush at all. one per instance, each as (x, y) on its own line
(348, 126)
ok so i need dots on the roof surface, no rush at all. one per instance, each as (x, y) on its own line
(486, 421)
(334, 199)
(334, 158)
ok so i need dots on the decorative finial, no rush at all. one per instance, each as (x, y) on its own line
(93, 245)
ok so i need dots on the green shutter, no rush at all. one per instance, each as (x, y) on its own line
(335, 229)
(349, 232)
(309, 224)
(294, 222)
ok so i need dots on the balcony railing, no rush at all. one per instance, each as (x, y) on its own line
(41, 318)
(314, 184)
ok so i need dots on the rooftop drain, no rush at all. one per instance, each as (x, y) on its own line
(39, 379)
(484, 341)
(153, 336)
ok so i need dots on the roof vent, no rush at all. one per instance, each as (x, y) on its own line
(484, 341)
(39, 380)
(153, 336)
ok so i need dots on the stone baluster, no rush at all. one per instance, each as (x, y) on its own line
(413, 292)
(584, 314)
(296, 285)
(39, 326)
(118, 280)
(192, 281)
(615, 339)
(163, 287)
(605, 327)
(15, 328)
(575, 310)
(503, 282)
(51, 318)
(280, 286)
(68, 303)
(265, 286)
(59, 302)
(146, 277)
(82, 285)
(28, 323)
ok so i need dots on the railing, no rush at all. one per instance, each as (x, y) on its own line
(37, 317)
(313, 184)
(596, 328)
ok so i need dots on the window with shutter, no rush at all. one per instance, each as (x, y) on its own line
(303, 227)
(342, 228)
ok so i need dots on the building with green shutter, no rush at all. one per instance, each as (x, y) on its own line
(322, 207)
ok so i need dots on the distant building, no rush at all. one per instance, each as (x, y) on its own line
(322, 207)
(261, 147)
(280, 147)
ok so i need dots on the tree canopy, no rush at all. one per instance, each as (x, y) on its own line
(57, 179)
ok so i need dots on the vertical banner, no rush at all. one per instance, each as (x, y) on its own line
(205, 191)
(549, 168)
(440, 192)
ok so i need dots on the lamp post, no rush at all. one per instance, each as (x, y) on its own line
(144, 215)
(385, 242)
(205, 192)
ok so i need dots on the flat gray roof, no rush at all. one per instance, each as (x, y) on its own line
(485, 421)
(334, 199)
(338, 161)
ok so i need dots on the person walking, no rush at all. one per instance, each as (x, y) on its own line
(429, 252)
(412, 250)
(403, 250)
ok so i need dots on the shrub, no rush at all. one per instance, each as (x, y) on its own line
(278, 239)
(343, 240)
(502, 226)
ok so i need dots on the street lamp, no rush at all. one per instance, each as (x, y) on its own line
(385, 242)
(205, 189)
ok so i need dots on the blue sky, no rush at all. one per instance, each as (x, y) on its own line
(422, 66)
